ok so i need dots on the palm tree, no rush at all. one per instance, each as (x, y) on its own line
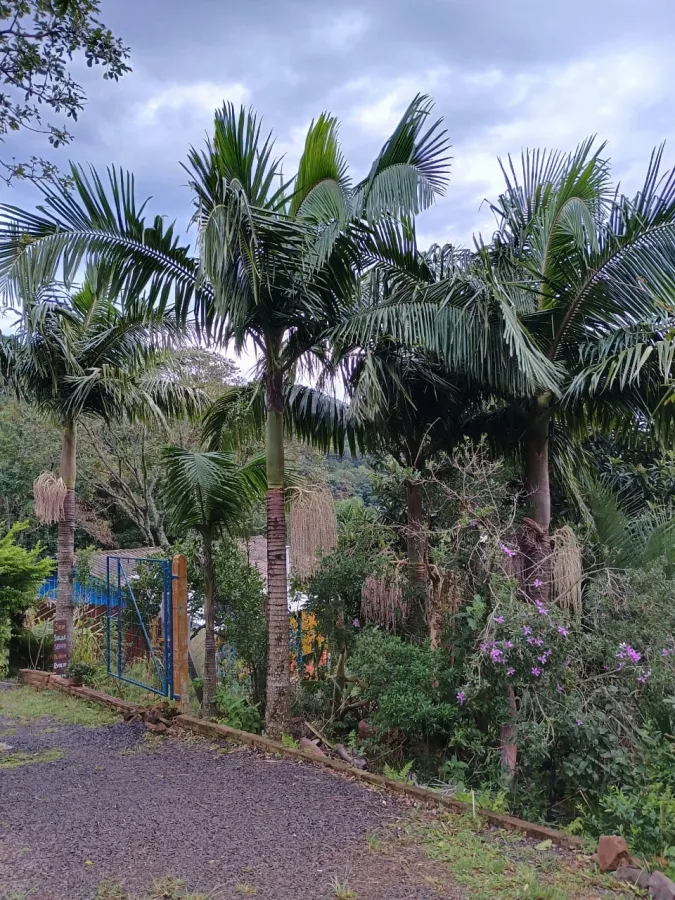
(591, 275)
(281, 258)
(209, 492)
(87, 355)
(412, 401)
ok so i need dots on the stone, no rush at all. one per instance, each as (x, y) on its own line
(156, 726)
(633, 875)
(660, 887)
(612, 853)
(310, 747)
(365, 730)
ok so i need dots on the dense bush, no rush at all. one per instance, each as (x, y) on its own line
(21, 573)
(233, 709)
(595, 699)
(240, 614)
(411, 686)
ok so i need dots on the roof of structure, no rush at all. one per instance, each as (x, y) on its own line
(99, 564)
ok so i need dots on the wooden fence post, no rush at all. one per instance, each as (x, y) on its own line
(181, 632)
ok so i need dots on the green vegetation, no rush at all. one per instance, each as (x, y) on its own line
(26, 705)
(342, 890)
(162, 889)
(39, 41)
(21, 573)
(492, 863)
(15, 760)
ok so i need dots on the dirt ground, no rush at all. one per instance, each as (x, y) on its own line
(95, 812)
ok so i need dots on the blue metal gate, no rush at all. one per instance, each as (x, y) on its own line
(139, 623)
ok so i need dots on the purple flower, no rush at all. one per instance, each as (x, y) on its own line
(560, 689)
(508, 551)
(527, 629)
(461, 697)
(500, 620)
(579, 723)
(510, 671)
(496, 654)
(562, 631)
(539, 642)
(541, 609)
(628, 652)
(530, 640)
(665, 652)
(543, 659)
(537, 583)
(536, 671)
(508, 645)
(643, 678)
(620, 667)
(356, 623)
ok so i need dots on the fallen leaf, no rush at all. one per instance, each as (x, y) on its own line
(544, 845)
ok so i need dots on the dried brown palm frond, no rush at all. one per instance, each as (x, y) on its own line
(567, 570)
(50, 494)
(382, 601)
(313, 530)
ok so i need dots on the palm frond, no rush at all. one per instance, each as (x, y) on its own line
(207, 490)
(412, 168)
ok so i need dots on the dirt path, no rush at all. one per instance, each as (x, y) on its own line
(94, 812)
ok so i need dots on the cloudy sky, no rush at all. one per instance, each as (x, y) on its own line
(504, 76)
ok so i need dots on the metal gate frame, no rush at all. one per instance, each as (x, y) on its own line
(117, 589)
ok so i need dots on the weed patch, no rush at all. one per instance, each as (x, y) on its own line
(26, 705)
(504, 865)
(16, 760)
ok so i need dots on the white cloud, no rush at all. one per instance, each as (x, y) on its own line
(385, 101)
(196, 98)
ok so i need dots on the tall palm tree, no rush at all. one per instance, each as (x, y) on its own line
(208, 492)
(81, 355)
(591, 275)
(281, 257)
(414, 401)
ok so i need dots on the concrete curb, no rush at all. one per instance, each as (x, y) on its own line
(222, 732)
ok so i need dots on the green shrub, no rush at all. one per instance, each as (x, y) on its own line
(410, 685)
(21, 574)
(644, 816)
(236, 711)
(82, 672)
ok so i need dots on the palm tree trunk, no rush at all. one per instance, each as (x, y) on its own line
(535, 542)
(65, 548)
(278, 674)
(415, 538)
(210, 630)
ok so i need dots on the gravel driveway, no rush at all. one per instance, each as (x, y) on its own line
(126, 807)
